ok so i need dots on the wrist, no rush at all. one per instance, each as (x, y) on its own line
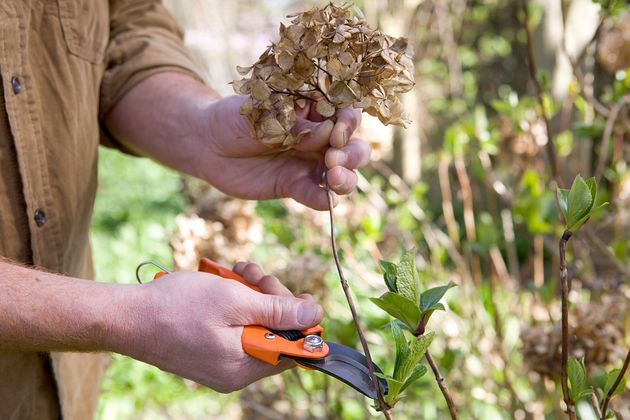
(124, 320)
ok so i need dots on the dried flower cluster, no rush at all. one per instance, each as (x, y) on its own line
(598, 331)
(219, 227)
(331, 57)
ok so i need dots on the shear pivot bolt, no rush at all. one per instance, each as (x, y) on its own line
(313, 343)
(270, 336)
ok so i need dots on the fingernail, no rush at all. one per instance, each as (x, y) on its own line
(345, 137)
(340, 158)
(306, 313)
(342, 180)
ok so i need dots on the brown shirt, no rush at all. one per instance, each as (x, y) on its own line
(64, 63)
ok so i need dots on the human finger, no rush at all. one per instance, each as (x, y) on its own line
(342, 180)
(354, 155)
(251, 272)
(280, 312)
(308, 192)
(348, 120)
(317, 139)
(270, 285)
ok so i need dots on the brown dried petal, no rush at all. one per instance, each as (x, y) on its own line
(346, 58)
(259, 90)
(270, 126)
(243, 70)
(285, 60)
(325, 109)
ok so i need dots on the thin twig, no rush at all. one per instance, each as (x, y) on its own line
(614, 386)
(442, 384)
(550, 147)
(355, 317)
(564, 277)
(293, 93)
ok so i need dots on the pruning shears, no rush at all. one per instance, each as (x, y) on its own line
(306, 348)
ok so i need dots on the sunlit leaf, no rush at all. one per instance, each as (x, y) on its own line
(610, 380)
(417, 348)
(389, 275)
(418, 372)
(407, 280)
(401, 345)
(580, 203)
(578, 388)
(432, 296)
(399, 307)
(563, 199)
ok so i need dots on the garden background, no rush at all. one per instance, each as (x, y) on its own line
(471, 184)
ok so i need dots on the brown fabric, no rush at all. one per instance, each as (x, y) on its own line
(64, 63)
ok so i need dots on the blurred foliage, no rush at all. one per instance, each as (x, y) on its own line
(468, 184)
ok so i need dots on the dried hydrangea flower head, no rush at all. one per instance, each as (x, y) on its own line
(331, 57)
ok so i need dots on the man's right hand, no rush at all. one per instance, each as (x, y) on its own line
(190, 324)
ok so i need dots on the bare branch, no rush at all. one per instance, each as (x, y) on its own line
(614, 386)
(564, 277)
(355, 317)
(442, 384)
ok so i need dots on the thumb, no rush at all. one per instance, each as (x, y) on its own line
(319, 137)
(284, 313)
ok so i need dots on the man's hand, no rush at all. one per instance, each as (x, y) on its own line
(190, 324)
(249, 169)
(178, 121)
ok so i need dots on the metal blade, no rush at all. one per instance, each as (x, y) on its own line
(347, 365)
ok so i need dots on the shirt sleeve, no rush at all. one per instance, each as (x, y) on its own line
(144, 40)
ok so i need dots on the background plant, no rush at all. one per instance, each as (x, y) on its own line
(468, 183)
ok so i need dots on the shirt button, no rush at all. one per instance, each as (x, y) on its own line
(39, 217)
(16, 85)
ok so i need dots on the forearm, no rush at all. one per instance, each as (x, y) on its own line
(159, 118)
(41, 311)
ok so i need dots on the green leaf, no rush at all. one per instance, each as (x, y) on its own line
(610, 380)
(563, 199)
(578, 388)
(418, 372)
(592, 187)
(399, 307)
(403, 325)
(407, 280)
(401, 345)
(389, 274)
(426, 314)
(580, 203)
(432, 296)
(395, 387)
(417, 348)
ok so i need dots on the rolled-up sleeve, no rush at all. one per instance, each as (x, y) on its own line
(144, 40)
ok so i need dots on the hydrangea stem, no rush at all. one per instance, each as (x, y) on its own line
(442, 384)
(564, 278)
(346, 290)
(614, 386)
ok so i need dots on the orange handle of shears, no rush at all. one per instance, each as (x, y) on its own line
(206, 265)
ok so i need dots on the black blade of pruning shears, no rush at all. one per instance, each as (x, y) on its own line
(347, 365)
